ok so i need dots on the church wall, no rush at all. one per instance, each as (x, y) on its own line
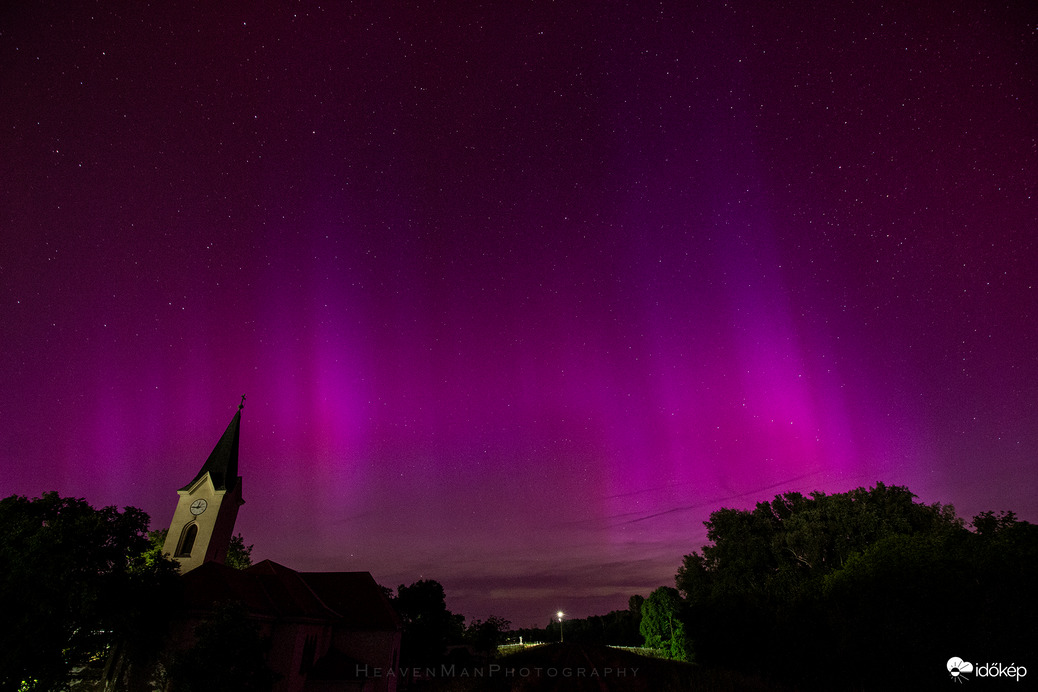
(379, 649)
(182, 518)
(223, 525)
(288, 644)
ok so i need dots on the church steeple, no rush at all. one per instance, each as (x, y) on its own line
(203, 521)
(222, 464)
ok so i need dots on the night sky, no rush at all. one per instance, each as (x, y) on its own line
(518, 292)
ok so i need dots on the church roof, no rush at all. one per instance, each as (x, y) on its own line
(270, 590)
(356, 596)
(222, 464)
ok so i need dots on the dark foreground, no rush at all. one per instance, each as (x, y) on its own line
(588, 668)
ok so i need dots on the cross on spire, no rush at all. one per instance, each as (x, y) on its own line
(242, 404)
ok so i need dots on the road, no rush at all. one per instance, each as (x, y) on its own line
(571, 667)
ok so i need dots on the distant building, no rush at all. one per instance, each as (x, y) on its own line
(327, 630)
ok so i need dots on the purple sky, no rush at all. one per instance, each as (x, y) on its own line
(518, 293)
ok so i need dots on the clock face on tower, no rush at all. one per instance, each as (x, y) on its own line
(198, 506)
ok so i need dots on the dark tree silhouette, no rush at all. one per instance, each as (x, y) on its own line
(74, 583)
(428, 625)
(830, 581)
(484, 636)
(228, 655)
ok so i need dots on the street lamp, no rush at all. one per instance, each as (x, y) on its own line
(560, 614)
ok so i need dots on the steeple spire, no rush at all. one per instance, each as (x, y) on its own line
(222, 464)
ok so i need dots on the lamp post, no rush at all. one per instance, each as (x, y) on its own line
(560, 614)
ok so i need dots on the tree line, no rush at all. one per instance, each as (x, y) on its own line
(615, 628)
(841, 591)
(838, 591)
(816, 590)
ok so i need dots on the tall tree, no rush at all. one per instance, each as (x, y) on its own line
(663, 623)
(239, 555)
(486, 635)
(782, 548)
(74, 582)
(428, 625)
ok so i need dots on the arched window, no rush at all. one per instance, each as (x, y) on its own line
(187, 540)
